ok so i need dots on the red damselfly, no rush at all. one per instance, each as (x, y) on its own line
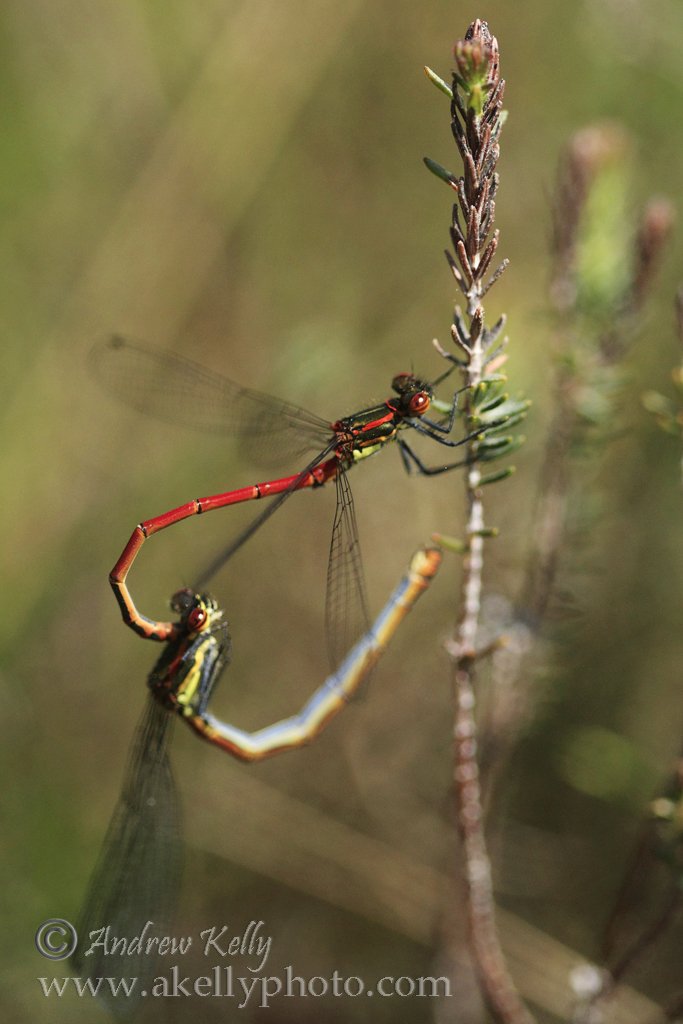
(137, 877)
(185, 393)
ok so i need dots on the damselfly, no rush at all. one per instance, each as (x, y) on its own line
(133, 889)
(177, 389)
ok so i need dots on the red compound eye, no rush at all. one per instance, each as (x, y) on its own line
(419, 403)
(196, 618)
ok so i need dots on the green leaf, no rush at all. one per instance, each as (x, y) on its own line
(491, 402)
(496, 448)
(438, 82)
(489, 388)
(498, 413)
(500, 474)
(440, 171)
(506, 424)
(450, 543)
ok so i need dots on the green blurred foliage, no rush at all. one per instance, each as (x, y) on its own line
(244, 183)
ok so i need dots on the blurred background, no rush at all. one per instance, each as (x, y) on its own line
(243, 183)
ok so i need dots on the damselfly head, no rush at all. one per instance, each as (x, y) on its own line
(182, 600)
(415, 394)
(196, 610)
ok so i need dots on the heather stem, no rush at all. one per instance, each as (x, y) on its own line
(476, 122)
(499, 990)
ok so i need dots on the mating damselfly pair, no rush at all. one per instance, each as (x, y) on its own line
(138, 873)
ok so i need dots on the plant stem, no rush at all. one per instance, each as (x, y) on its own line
(497, 985)
(476, 122)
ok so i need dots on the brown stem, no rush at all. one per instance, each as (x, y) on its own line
(497, 985)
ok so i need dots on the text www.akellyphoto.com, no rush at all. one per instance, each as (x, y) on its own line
(222, 982)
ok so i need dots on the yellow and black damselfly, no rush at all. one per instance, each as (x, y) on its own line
(133, 889)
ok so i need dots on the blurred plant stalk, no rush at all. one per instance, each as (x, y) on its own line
(598, 294)
(602, 271)
(668, 412)
(602, 274)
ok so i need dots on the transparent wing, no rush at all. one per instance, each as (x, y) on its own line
(180, 391)
(137, 874)
(346, 605)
